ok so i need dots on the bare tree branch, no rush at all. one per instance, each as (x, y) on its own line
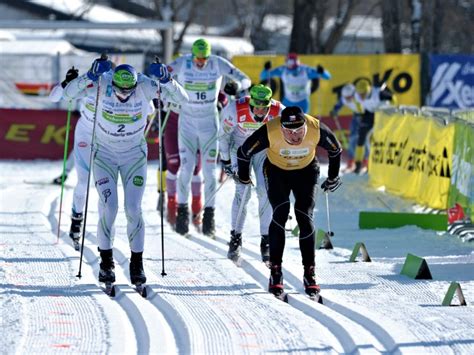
(344, 14)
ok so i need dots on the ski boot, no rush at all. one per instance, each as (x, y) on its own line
(275, 285)
(137, 275)
(182, 219)
(171, 210)
(265, 248)
(107, 266)
(235, 246)
(309, 280)
(76, 228)
(208, 224)
(196, 208)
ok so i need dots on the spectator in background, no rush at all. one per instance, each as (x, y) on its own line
(347, 98)
(296, 80)
(371, 98)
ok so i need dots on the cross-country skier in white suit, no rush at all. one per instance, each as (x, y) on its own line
(120, 148)
(201, 75)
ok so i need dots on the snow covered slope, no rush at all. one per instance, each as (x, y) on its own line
(205, 304)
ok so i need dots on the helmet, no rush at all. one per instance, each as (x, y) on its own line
(292, 61)
(363, 86)
(201, 48)
(260, 96)
(348, 90)
(125, 77)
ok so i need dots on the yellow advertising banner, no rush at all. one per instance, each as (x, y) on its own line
(401, 72)
(411, 157)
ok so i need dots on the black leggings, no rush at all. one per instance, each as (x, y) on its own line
(366, 124)
(279, 185)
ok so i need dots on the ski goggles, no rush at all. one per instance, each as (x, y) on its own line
(124, 91)
(202, 60)
(259, 103)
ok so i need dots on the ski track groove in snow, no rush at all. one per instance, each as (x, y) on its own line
(336, 323)
(363, 302)
(60, 314)
(239, 311)
(142, 317)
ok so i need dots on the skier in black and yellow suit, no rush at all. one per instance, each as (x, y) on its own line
(292, 166)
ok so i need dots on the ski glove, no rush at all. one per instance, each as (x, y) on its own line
(267, 65)
(331, 185)
(320, 69)
(71, 74)
(227, 166)
(160, 71)
(231, 88)
(99, 67)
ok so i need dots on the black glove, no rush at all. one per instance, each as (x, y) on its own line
(59, 179)
(320, 69)
(331, 185)
(231, 88)
(227, 166)
(267, 65)
(71, 74)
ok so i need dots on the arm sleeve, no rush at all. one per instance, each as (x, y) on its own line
(329, 142)
(174, 92)
(313, 73)
(337, 107)
(232, 72)
(56, 94)
(254, 144)
(267, 74)
(80, 87)
(226, 130)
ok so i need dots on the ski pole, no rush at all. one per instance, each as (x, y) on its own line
(330, 233)
(160, 168)
(103, 57)
(66, 144)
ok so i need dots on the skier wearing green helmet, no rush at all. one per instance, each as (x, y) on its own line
(201, 74)
(240, 119)
(122, 103)
(201, 52)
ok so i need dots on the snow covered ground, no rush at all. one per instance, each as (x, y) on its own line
(207, 305)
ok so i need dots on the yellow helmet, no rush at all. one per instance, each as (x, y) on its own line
(363, 86)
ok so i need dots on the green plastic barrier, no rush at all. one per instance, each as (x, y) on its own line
(360, 247)
(455, 287)
(371, 220)
(416, 268)
(323, 241)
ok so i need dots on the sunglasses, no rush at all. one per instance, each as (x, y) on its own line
(201, 60)
(294, 130)
(260, 103)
